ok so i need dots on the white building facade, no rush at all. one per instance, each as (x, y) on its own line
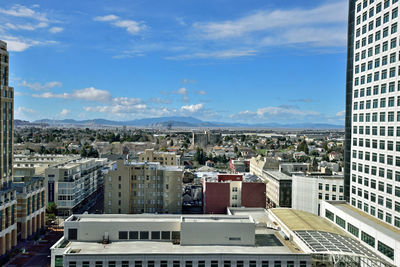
(372, 148)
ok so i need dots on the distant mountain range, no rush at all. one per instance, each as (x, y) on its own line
(184, 122)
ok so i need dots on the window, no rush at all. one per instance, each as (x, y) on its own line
(155, 235)
(340, 222)
(329, 215)
(133, 235)
(386, 250)
(144, 235)
(72, 234)
(165, 235)
(368, 239)
(123, 235)
(352, 230)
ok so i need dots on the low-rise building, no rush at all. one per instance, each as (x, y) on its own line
(70, 184)
(279, 189)
(382, 238)
(289, 168)
(232, 190)
(143, 187)
(245, 237)
(31, 207)
(260, 164)
(164, 158)
(309, 190)
(172, 240)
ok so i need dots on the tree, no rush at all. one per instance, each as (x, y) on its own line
(303, 147)
(51, 208)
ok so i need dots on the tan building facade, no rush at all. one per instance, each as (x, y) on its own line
(8, 201)
(164, 158)
(142, 187)
(31, 207)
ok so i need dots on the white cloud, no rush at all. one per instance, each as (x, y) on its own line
(223, 54)
(16, 44)
(64, 112)
(126, 101)
(277, 114)
(116, 109)
(185, 99)
(22, 112)
(41, 87)
(131, 26)
(92, 94)
(341, 113)
(110, 17)
(26, 27)
(188, 81)
(159, 100)
(264, 20)
(88, 94)
(201, 92)
(25, 12)
(192, 108)
(181, 91)
(56, 29)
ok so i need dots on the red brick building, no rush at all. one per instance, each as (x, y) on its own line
(231, 191)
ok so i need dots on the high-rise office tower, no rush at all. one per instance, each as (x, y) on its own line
(8, 202)
(372, 149)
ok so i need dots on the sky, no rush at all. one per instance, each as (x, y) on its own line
(248, 61)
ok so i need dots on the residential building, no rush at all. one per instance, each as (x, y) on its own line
(70, 184)
(279, 189)
(309, 190)
(372, 157)
(231, 190)
(245, 237)
(164, 158)
(259, 164)
(206, 138)
(239, 165)
(143, 187)
(31, 206)
(8, 200)
(289, 168)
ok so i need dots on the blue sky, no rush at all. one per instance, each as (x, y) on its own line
(217, 60)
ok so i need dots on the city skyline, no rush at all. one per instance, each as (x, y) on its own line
(197, 60)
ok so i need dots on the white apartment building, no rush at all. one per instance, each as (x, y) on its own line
(372, 149)
(309, 190)
(69, 184)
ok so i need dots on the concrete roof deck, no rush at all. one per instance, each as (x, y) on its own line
(368, 219)
(168, 248)
(278, 175)
(158, 218)
(297, 220)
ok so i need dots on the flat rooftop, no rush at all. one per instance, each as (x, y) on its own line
(159, 218)
(259, 215)
(157, 247)
(368, 219)
(278, 175)
(297, 220)
(214, 219)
